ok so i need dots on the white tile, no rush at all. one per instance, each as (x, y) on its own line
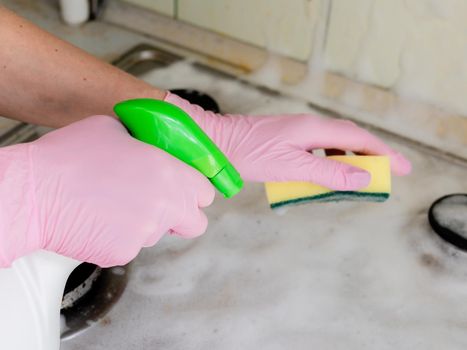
(417, 48)
(165, 7)
(283, 26)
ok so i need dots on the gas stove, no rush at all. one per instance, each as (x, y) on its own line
(322, 276)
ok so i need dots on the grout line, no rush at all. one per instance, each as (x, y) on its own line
(326, 27)
(175, 8)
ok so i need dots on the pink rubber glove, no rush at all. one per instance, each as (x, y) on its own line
(91, 192)
(275, 148)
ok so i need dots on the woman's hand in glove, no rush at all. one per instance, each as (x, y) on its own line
(91, 192)
(276, 148)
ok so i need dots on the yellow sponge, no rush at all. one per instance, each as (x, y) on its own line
(287, 193)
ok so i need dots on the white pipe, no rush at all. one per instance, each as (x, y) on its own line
(74, 12)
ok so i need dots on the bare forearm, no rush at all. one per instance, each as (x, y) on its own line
(47, 81)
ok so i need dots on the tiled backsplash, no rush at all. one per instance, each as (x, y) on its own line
(282, 26)
(416, 48)
(166, 7)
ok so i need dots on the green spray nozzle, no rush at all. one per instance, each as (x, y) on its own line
(168, 127)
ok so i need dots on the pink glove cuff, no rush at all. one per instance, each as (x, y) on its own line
(18, 220)
(220, 128)
(203, 118)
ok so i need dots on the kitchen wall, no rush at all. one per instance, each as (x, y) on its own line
(263, 23)
(166, 7)
(400, 65)
(415, 47)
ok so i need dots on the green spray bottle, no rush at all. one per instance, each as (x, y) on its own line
(168, 127)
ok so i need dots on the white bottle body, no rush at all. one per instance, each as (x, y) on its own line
(30, 299)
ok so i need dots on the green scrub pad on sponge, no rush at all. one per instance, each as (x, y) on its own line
(282, 194)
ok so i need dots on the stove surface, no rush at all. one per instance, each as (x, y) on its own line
(322, 276)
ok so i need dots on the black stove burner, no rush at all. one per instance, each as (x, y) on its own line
(90, 292)
(199, 98)
(79, 283)
(448, 218)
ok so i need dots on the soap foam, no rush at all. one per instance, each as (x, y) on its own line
(345, 276)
